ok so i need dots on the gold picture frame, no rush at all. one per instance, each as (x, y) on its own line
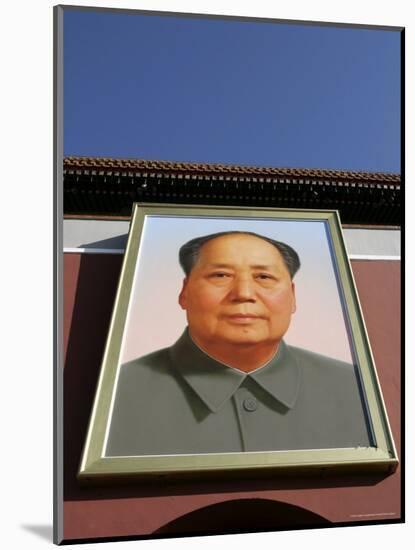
(379, 456)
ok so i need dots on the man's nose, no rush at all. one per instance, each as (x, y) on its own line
(243, 289)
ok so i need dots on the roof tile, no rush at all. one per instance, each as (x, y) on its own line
(108, 164)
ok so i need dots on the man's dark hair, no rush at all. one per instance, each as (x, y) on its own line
(189, 252)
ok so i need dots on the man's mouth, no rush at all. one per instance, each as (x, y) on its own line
(243, 318)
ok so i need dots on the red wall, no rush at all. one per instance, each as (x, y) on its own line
(90, 282)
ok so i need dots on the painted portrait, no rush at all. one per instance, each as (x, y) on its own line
(235, 334)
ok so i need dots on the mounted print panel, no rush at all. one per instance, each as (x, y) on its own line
(236, 343)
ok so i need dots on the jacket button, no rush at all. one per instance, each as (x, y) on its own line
(250, 404)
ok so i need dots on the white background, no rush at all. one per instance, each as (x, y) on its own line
(27, 281)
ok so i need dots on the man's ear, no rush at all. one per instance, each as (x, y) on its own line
(183, 295)
(294, 305)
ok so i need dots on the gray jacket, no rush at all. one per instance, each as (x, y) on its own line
(178, 400)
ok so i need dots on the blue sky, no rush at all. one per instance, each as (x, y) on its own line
(233, 92)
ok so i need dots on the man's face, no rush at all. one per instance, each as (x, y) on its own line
(238, 292)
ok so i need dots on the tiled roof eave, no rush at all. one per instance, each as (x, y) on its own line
(104, 164)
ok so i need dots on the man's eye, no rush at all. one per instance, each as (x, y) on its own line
(265, 276)
(220, 275)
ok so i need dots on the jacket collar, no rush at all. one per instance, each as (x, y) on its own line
(215, 382)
